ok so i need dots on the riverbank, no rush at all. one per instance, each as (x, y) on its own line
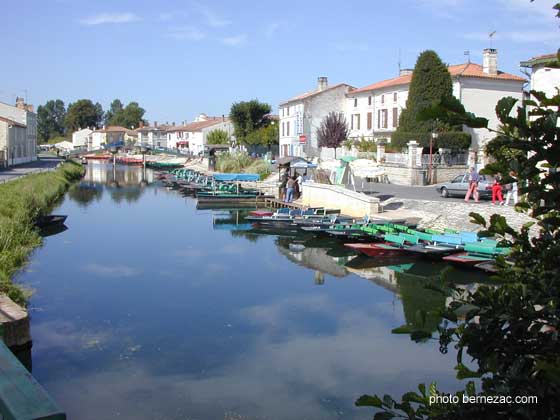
(23, 200)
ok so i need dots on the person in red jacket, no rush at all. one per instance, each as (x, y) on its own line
(497, 190)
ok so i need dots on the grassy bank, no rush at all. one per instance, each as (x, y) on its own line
(241, 162)
(21, 202)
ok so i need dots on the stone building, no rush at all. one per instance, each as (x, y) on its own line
(301, 116)
(18, 133)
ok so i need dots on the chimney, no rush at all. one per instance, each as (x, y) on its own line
(173, 124)
(141, 124)
(490, 61)
(405, 72)
(322, 83)
(20, 103)
(223, 117)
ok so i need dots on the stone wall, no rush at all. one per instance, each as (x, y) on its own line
(401, 175)
(331, 196)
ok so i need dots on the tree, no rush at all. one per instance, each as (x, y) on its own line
(130, 116)
(83, 113)
(431, 83)
(332, 131)
(50, 120)
(218, 137)
(509, 329)
(264, 136)
(115, 109)
(248, 117)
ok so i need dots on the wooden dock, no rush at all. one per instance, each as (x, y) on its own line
(275, 203)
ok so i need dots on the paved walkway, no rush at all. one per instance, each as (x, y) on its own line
(41, 165)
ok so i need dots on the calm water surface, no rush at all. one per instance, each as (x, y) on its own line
(147, 308)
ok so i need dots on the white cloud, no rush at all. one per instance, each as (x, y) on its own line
(105, 18)
(213, 19)
(271, 29)
(235, 41)
(187, 32)
(516, 36)
(117, 270)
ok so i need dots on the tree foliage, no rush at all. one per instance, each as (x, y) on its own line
(125, 116)
(332, 131)
(83, 113)
(509, 329)
(50, 119)
(248, 116)
(264, 136)
(218, 137)
(431, 83)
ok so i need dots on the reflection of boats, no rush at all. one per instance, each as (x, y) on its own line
(363, 262)
(53, 219)
(51, 230)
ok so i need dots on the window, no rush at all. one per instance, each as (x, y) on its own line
(395, 97)
(355, 102)
(288, 128)
(384, 115)
(369, 119)
(395, 117)
(357, 121)
(378, 118)
(382, 99)
(282, 126)
(369, 100)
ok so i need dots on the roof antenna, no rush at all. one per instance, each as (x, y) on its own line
(491, 36)
(399, 61)
(468, 54)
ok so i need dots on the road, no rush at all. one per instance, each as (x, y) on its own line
(387, 191)
(41, 165)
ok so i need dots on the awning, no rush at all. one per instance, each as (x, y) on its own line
(182, 143)
(303, 165)
(236, 177)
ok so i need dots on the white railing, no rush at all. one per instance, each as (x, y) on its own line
(396, 158)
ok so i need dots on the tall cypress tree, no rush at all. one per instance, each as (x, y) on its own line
(431, 83)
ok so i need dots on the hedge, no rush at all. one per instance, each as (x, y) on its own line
(448, 140)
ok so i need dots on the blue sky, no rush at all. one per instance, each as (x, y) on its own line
(179, 58)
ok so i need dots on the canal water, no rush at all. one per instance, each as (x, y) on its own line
(147, 308)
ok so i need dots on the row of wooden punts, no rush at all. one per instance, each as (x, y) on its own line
(374, 238)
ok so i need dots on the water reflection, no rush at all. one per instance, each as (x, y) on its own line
(155, 310)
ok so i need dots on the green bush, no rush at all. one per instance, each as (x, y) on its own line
(232, 162)
(260, 167)
(22, 202)
(447, 140)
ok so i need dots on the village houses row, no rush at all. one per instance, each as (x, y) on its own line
(372, 112)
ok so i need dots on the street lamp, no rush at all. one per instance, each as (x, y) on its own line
(433, 137)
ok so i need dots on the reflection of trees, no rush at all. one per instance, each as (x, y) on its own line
(85, 193)
(130, 195)
(247, 234)
(421, 305)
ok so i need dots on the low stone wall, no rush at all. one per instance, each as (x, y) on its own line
(402, 175)
(332, 196)
(14, 322)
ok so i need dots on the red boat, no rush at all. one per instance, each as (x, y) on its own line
(465, 258)
(260, 213)
(376, 250)
(130, 160)
(100, 157)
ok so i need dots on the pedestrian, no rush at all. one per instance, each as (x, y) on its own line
(283, 182)
(497, 190)
(290, 189)
(473, 185)
(512, 189)
(299, 181)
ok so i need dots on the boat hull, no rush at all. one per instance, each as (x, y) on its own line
(376, 250)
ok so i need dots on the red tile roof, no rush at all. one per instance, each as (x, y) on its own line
(459, 70)
(114, 129)
(12, 122)
(314, 92)
(199, 125)
(540, 59)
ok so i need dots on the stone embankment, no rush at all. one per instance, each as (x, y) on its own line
(455, 215)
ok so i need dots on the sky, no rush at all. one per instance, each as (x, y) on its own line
(179, 58)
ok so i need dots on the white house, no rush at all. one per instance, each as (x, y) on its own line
(154, 136)
(373, 111)
(193, 136)
(80, 138)
(301, 116)
(111, 134)
(18, 133)
(544, 78)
